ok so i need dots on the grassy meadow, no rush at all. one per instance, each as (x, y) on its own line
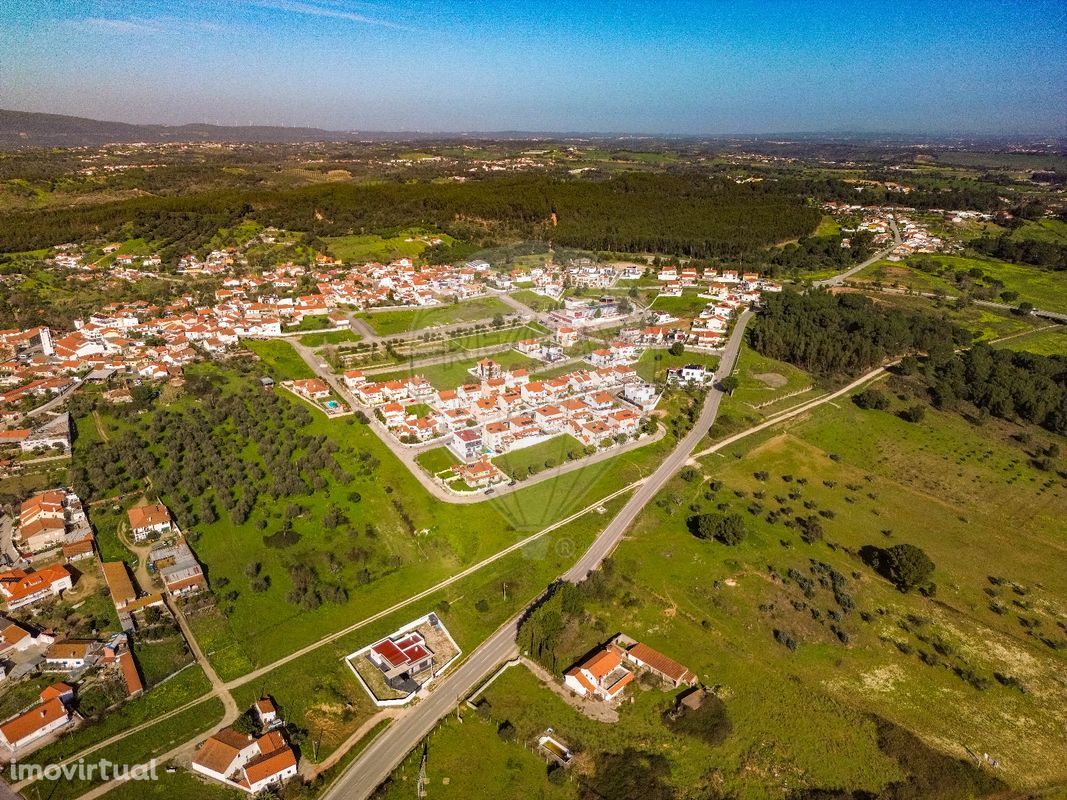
(899, 687)
(391, 323)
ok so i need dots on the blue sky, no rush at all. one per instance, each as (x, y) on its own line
(672, 66)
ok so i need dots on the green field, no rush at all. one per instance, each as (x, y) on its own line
(1042, 230)
(369, 247)
(491, 338)
(538, 302)
(828, 226)
(684, 307)
(529, 460)
(282, 362)
(969, 498)
(455, 373)
(439, 459)
(1043, 288)
(763, 380)
(390, 323)
(311, 322)
(1048, 342)
(389, 539)
(329, 337)
(653, 364)
(185, 687)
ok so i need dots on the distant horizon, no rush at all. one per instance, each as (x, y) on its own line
(841, 133)
(676, 67)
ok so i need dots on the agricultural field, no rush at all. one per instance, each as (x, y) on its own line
(810, 650)
(391, 323)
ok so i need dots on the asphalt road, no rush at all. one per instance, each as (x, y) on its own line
(382, 756)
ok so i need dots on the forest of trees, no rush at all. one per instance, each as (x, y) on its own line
(841, 335)
(688, 215)
(1007, 384)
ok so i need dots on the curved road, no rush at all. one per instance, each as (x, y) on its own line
(840, 278)
(381, 757)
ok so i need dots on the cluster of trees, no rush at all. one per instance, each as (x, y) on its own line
(839, 335)
(542, 630)
(819, 252)
(1047, 255)
(691, 215)
(904, 565)
(725, 528)
(1007, 384)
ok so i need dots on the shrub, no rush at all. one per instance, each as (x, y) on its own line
(871, 399)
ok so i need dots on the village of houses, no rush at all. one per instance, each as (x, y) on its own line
(49, 549)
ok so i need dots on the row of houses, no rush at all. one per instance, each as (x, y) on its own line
(504, 409)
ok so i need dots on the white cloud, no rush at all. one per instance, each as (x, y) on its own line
(332, 11)
(144, 26)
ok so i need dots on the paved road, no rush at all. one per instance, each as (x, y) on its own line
(837, 280)
(381, 757)
(55, 401)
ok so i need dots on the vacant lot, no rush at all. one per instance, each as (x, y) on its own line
(282, 362)
(530, 460)
(362, 248)
(653, 364)
(390, 323)
(457, 372)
